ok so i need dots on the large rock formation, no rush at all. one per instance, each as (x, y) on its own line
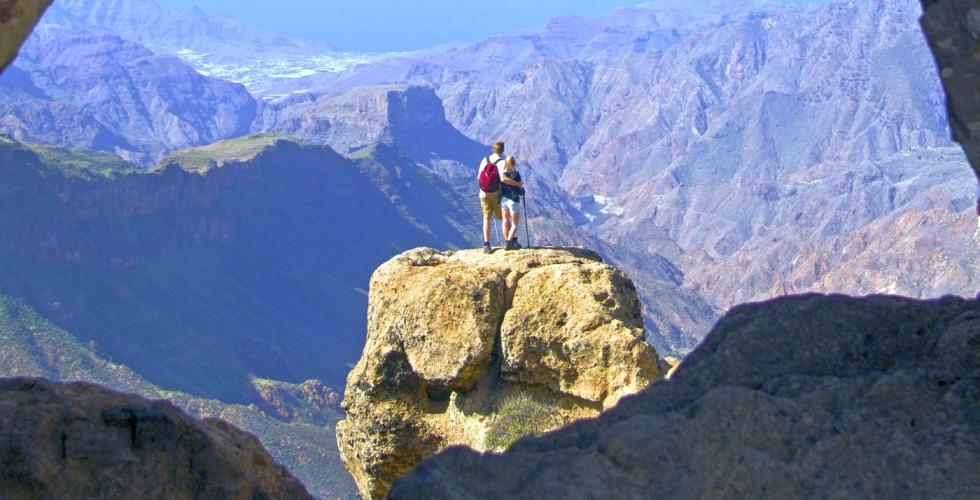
(411, 117)
(82, 441)
(812, 396)
(17, 19)
(453, 335)
(953, 30)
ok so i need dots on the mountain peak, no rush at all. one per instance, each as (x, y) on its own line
(412, 117)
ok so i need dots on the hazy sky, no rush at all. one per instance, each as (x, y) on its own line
(398, 25)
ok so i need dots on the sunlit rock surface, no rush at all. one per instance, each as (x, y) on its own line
(452, 335)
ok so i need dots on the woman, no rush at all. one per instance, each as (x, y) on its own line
(511, 190)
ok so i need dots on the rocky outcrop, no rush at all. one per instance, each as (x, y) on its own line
(812, 396)
(17, 18)
(81, 441)
(312, 401)
(953, 30)
(452, 335)
(412, 117)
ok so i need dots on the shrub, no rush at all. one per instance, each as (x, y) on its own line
(518, 416)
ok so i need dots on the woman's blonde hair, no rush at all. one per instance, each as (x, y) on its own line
(509, 164)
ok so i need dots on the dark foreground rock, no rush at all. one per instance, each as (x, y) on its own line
(805, 397)
(83, 441)
(953, 30)
(17, 19)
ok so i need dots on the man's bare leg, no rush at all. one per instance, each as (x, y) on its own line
(486, 229)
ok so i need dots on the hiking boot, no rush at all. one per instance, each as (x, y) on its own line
(486, 248)
(514, 245)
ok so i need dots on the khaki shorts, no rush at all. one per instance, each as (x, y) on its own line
(490, 203)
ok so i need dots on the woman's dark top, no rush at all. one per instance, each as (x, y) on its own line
(512, 192)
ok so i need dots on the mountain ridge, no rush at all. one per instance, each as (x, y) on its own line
(207, 233)
(99, 91)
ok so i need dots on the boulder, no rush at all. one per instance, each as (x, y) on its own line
(452, 335)
(82, 441)
(803, 397)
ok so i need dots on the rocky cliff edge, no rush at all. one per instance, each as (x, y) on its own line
(452, 335)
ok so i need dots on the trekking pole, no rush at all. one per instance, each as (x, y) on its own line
(527, 232)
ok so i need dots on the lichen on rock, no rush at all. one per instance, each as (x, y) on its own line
(453, 335)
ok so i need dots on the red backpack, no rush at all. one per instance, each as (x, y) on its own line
(490, 176)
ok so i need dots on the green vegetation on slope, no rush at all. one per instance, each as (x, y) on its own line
(83, 163)
(76, 162)
(239, 149)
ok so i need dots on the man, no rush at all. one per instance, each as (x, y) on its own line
(489, 176)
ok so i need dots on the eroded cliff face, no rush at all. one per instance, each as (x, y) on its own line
(452, 335)
(82, 441)
(805, 397)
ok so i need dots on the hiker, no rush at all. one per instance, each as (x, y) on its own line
(511, 190)
(490, 186)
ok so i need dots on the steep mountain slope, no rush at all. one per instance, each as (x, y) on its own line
(228, 279)
(243, 259)
(98, 91)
